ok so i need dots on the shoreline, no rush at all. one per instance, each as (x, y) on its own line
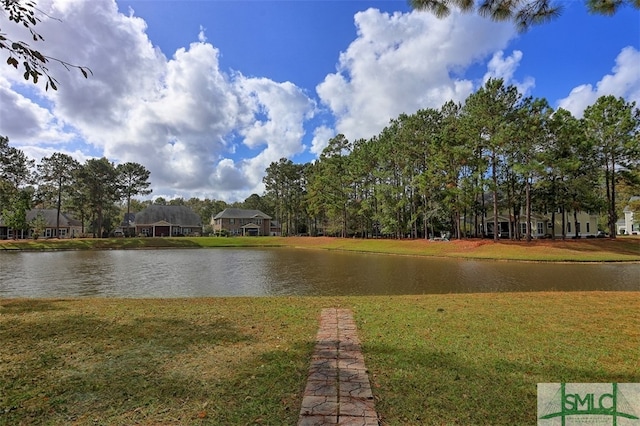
(620, 250)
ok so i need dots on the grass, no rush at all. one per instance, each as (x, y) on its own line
(433, 359)
(584, 250)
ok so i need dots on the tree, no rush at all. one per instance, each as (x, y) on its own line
(330, 184)
(559, 164)
(614, 126)
(524, 13)
(284, 184)
(15, 215)
(58, 170)
(255, 202)
(34, 62)
(39, 225)
(99, 179)
(15, 167)
(133, 179)
(489, 112)
(16, 192)
(531, 132)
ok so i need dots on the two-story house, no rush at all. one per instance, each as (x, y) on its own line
(242, 222)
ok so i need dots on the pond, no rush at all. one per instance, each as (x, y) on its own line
(286, 271)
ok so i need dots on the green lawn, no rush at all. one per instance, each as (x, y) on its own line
(625, 249)
(433, 359)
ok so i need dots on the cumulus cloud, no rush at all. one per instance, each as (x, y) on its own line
(321, 136)
(27, 121)
(624, 81)
(181, 117)
(403, 62)
(209, 132)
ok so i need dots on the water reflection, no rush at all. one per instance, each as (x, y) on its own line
(262, 272)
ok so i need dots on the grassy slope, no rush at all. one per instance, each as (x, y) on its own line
(586, 250)
(435, 359)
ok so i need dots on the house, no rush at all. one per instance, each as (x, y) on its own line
(167, 221)
(627, 225)
(542, 227)
(68, 226)
(242, 222)
(275, 229)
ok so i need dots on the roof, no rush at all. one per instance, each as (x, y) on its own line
(49, 216)
(175, 215)
(241, 214)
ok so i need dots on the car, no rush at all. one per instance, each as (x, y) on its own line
(601, 234)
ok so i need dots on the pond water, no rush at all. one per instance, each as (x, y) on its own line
(284, 271)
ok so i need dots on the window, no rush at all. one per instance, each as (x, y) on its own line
(568, 226)
(523, 228)
(63, 233)
(588, 227)
(48, 232)
(232, 221)
(145, 232)
(540, 228)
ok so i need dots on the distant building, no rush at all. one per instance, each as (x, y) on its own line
(69, 227)
(167, 221)
(243, 222)
(627, 224)
(541, 225)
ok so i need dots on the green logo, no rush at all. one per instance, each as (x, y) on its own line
(567, 404)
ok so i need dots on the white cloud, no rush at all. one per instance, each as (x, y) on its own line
(179, 117)
(404, 62)
(624, 81)
(27, 121)
(283, 106)
(209, 132)
(321, 136)
(202, 38)
(505, 68)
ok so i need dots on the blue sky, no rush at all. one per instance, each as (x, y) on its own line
(206, 94)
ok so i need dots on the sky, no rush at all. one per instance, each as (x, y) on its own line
(207, 93)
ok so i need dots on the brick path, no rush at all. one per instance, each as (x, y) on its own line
(338, 390)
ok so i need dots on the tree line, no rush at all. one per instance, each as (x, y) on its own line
(97, 193)
(91, 191)
(457, 168)
(453, 169)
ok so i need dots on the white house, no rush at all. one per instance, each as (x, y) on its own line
(627, 225)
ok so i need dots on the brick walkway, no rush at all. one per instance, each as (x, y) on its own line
(338, 390)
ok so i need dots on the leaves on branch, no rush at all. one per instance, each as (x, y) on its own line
(33, 61)
(523, 13)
